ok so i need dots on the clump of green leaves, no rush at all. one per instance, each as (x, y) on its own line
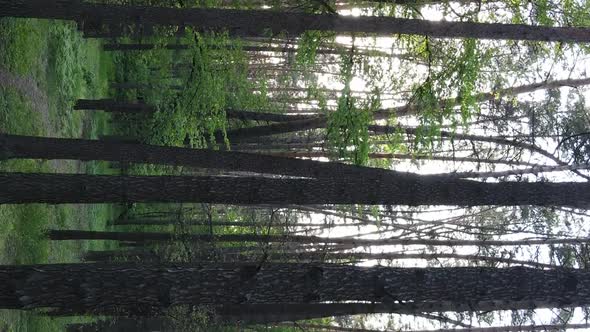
(212, 78)
(348, 126)
(309, 43)
(443, 91)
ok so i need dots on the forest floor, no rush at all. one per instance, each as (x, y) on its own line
(44, 67)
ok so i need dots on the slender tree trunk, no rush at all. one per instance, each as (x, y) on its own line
(259, 22)
(153, 236)
(321, 154)
(318, 256)
(246, 48)
(532, 170)
(240, 135)
(486, 96)
(261, 116)
(110, 105)
(411, 110)
(162, 222)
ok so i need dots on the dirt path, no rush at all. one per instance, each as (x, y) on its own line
(27, 86)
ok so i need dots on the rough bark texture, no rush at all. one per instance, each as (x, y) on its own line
(13, 146)
(61, 235)
(18, 188)
(149, 288)
(258, 22)
(281, 312)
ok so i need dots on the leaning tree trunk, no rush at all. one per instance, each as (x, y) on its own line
(149, 288)
(259, 22)
(18, 188)
(13, 146)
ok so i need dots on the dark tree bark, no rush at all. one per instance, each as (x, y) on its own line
(153, 236)
(263, 116)
(240, 135)
(148, 288)
(18, 188)
(162, 222)
(259, 22)
(247, 48)
(282, 312)
(12, 146)
(110, 105)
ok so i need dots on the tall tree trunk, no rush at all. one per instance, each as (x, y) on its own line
(246, 48)
(262, 116)
(239, 135)
(153, 236)
(110, 105)
(319, 256)
(259, 22)
(242, 134)
(161, 222)
(282, 312)
(13, 146)
(147, 288)
(18, 188)
(322, 154)
(516, 328)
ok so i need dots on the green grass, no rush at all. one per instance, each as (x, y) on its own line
(57, 67)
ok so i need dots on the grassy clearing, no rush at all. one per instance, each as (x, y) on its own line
(45, 66)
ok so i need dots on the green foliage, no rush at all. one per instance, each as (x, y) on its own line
(348, 130)
(575, 130)
(38, 53)
(454, 85)
(348, 126)
(21, 43)
(67, 58)
(214, 78)
(308, 44)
